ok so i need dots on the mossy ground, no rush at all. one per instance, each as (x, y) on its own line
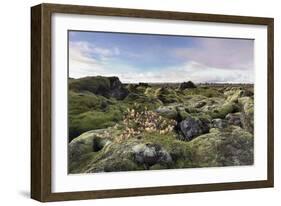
(92, 114)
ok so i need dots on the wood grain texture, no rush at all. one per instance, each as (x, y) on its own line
(270, 102)
(171, 15)
(41, 101)
(36, 140)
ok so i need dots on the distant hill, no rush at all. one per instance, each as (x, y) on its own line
(99, 85)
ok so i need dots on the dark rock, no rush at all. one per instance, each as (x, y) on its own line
(151, 154)
(192, 127)
(117, 90)
(187, 85)
(219, 123)
(234, 119)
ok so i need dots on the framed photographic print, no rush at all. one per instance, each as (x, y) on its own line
(130, 102)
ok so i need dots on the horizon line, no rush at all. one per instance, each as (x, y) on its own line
(124, 82)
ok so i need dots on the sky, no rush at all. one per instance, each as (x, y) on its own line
(160, 58)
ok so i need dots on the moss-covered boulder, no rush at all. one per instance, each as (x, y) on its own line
(234, 93)
(104, 86)
(127, 127)
(201, 104)
(87, 101)
(168, 111)
(113, 157)
(96, 151)
(147, 151)
(88, 142)
(177, 112)
(143, 101)
(167, 95)
(91, 120)
(223, 110)
(149, 92)
(220, 147)
(247, 105)
(227, 147)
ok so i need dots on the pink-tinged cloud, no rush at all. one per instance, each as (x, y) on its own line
(221, 53)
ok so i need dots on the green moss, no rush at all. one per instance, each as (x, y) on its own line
(247, 105)
(81, 150)
(90, 108)
(229, 147)
(220, 147)
(84, 102)
(113, 157)
(120, 165)
(140, 89)
(93, 120)
(169, 112)
(180, 151)
(191, 99)
(201, 116)
(223, 110)
(207, 92)
(76, 167)
(149, 92)
(167, 95)
(132, 88)
(104, 86)
(233, 95)
(183, 114)
(140, 102)
(91, 84)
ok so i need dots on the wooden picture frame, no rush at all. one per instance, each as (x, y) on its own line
(41, 95)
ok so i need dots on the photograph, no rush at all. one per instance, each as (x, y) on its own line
(149, 102)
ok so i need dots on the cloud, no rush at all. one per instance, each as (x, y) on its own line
(207, 63)
(88, 48)
(233, 54)
(87, 59)
(193, 71)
